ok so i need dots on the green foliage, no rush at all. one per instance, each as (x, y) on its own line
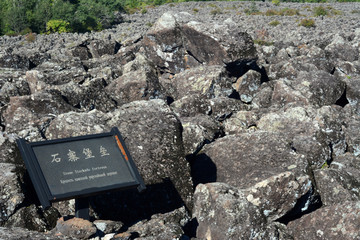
(320, 11)
(271, 12)
(276, 2)
(308, 23)
(274, 23)
(253, 10)
(263, 42)
(215, 11)
(289, 12)
(59, 26)
(95, 15)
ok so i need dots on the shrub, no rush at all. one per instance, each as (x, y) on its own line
(271, 12)
(215, 11)
(276, 2)
(320, 11)
(289, 12)
(253, 10)
(308, 23)
(30, 37)
(59, 26)
(274, 23)
(263, 42)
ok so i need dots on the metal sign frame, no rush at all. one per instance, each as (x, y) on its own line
(40, 182)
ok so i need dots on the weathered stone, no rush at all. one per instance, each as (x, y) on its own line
(175, 43)
(223, 107)
(8, 149)
(191, 105)
(107, 226)
(340, 221)
(242, 121)
(278, 194)
(352, 136)
(340, 49)
(270, 154)
(74, 124)
(29, 218)
(209, 81)
(11, 193)
(198, 131)
(139, 82)
(223, 212)
(28, 116)
(21, 233)
(152, 133)
(336, 186)
(248, 85)
(283, 94)
(98, 48)
(75, 228)
(319, 87)
(160, 226)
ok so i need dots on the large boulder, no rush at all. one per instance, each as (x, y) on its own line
(209, 81)
(253, 156)
(340, 221)
(12, 195)
(29, 116)
(152, 133)
(177, 42)
(223, 212)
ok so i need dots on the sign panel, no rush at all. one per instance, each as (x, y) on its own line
(80, 166)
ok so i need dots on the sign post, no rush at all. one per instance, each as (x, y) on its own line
(79, 167)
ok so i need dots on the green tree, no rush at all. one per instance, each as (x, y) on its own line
(59, 26)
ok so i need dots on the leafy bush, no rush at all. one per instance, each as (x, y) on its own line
(253, 10)
(276, 2)
(289, 12)
(274, 23)
(308, 23)
(59, 26)
(216, 11)
(320, 11)
(271, 12)
(30, 37)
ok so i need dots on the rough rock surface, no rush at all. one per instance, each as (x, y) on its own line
(250, 128)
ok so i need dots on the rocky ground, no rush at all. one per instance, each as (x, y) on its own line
(240, 129)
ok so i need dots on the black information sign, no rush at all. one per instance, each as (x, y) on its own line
(80, 166)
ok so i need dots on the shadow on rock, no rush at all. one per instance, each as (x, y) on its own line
(203, 169)
(130, 206)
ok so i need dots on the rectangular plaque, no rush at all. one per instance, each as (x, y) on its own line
(80, 166)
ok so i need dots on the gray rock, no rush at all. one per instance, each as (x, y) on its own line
(191, 105)
(152, 133)
(242, 121)
(223, 107)
(248, 85)
(32, 218)
(253, 156)
(198, 131)
(336, 186)
(139, 82)
(74, 228)
(209, 81)
(29, 116)
(175, 43)
(12, 195)
(107, 226)
(332, 222)
(15, 233)
(352, 136)
(223, 212)
(160, 226)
